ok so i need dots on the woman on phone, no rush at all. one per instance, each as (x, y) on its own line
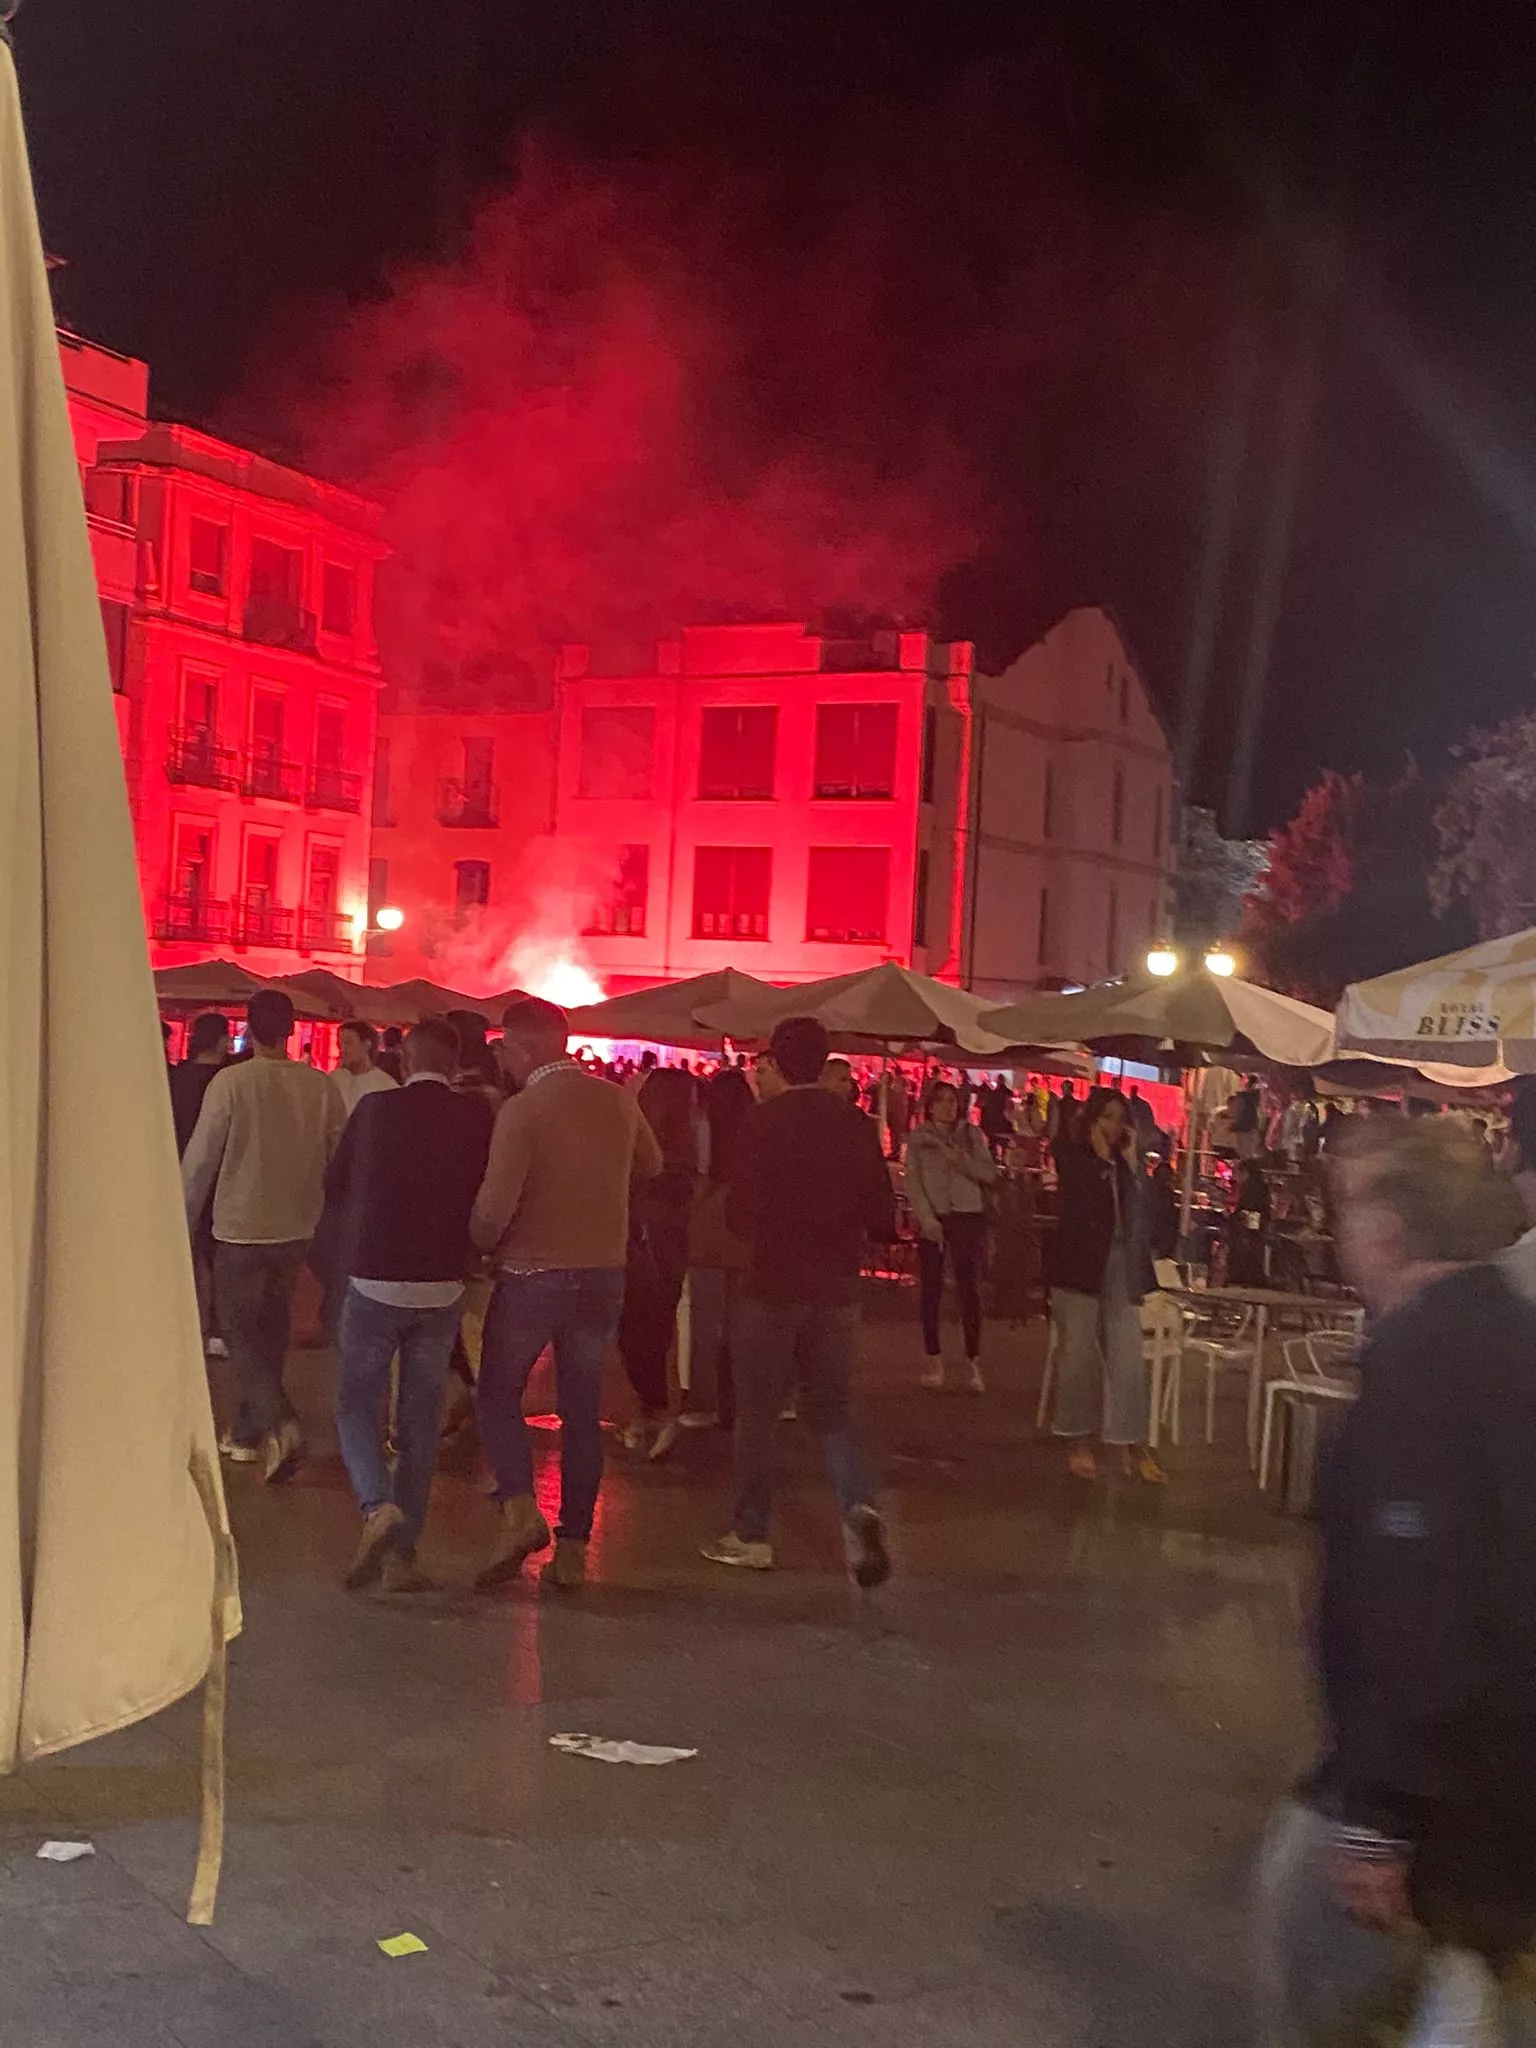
(1101, 1270)
(948, 1165)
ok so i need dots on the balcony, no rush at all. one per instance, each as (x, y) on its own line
(193, 755)
(190, 920)
(468, 807)
(264, 773)
(326, 931)
(279, 622)
(332, 789)
(258, 921)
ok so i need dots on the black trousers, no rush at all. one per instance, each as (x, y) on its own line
(964, 1241)
(653, 1286)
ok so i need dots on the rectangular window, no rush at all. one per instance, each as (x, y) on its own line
(1157, 824)
(736, 749)
(109, 495)
(324, 881)
(1043, 934)
(381, 810)
(849, 894)
(260, 880)
(856, 750)
(731, 888)
(208, 548)
(930, 752)
(192, 860)
(620, 913)
(378, 887)
(1112, 933)
(267, 724)
(114, 624)
(277, 573)
(1048, 802)
(618, 746)
(200, 700)
(330, 736)
(1117, 808)
(471, 886)
(479, 766)
(336, 598)
(920, 906)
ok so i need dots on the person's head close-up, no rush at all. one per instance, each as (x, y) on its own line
(799, 1048)
(357, 1043)
(837, 1079)
(533, 1033)
(1106, 1120)
(209, 1041)
(270, 1019)
(668, 1101)
(943, 1106)
(432, 1048)
(767, 1078)
(1416, 1197)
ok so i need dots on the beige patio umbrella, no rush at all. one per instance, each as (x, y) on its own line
(116, 1585)
(1191, 1014)
(1469, 1009)
(877, 1007)
(668, 1013)
(220, 984)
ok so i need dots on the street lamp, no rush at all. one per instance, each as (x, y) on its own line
(1162, 961)
(389, 917)
(1220, 963)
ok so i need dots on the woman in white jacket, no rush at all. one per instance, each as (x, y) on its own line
(948, 1164)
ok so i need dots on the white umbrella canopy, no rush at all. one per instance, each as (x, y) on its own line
(1197, 1012)
(215, 984)
(114, 1594)
(1474, 1008)
(668, 1012)
(885, 1005)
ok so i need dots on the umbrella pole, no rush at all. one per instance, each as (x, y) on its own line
(1194, 1132)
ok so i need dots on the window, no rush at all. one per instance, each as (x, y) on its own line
(277, 573)
(378, 887)
(856, 750)
(200, 700)
(260, 879)
(1043, 935)
(208, 548)
(381, 810)
(736, 748)
(848, 894)
(1112, 933)
(618, 745)
(1157, 824)
(1048, 802)
(330, 735)
(192, 860)
(620, 913)
(266, 724)
(109, 495)
(920, 906)
(930, 752)
(324, 880)
(471, 886)
(731, 886)
(1117, 808)
(114, 624)
(479, 768)
(336, 598)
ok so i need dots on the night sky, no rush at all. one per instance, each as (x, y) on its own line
(1049, 232)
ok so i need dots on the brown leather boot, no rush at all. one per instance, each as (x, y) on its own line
(523, 1531)
(567, 1569)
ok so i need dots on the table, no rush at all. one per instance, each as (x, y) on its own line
(1265, 1302)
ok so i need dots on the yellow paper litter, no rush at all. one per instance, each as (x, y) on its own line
(404, 1945)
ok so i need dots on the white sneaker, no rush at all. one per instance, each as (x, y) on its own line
(933, 1375)
(974, 1383)
(634, 1436)
(752, 1557)
(1459, 2003)
(666, 1437)
(694, 1418)
(284, 1453)
(237, 1452)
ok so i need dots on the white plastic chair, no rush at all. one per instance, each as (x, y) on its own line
(1162, 1331)
(1224, 1344)
(1307, 1376)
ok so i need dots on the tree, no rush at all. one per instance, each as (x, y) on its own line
(1345, 893)
(1213, 877)
(1487, 847)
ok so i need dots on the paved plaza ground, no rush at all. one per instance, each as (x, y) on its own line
(1007, 1802)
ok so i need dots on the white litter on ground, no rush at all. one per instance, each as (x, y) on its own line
(65, 1852)
(619, 1752)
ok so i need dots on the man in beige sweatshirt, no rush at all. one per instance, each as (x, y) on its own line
(554, 1211)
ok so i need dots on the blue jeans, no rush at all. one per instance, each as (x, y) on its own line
(371, 1334)
(772, 1344)
(575, 1309)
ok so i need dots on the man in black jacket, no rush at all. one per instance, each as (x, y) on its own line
(402, 1184)
(1423, 1805)
(808, 1190)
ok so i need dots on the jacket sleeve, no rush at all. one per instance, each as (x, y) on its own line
(205, 1150)
(919, 1198)
(506, 1175)
(1410, 1666)
(878, 1197)
(976, 1161)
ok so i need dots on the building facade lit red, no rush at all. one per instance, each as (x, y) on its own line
(237, 599)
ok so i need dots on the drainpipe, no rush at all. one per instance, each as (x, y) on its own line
(961, 656)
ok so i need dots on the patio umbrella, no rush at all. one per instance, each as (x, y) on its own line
(668, 1012)
(220, 984)
(407, 1002)
(1467, 1009)
(115, 1591)
(875, 1008)
(1181, 1018)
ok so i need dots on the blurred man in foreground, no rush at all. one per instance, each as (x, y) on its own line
(1422, 1808)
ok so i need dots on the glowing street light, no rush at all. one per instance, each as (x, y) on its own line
(389, 917)
(1162, 961)
(1220, 963)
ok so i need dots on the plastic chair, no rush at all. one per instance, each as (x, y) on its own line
(1307, 1376)
(1224, 1341)
(1163, 1325)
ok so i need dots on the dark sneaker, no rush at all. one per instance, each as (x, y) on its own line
(284, 1453)
(864, 1541)
(402, 1574)
(523, 1532)
(567, 1569)
(380, 1527)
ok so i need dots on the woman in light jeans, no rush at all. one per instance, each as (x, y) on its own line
(948, 1164)
(1100, 1270)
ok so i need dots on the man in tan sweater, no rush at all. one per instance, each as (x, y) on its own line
(554, 1211)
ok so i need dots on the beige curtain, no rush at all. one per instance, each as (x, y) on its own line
(111, 1515)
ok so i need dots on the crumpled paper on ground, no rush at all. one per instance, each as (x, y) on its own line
(65, 1852)
(619, 1752)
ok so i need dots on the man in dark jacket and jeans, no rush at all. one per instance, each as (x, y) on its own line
(808, 1190)
(401, 1186)
(1423, 1805)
